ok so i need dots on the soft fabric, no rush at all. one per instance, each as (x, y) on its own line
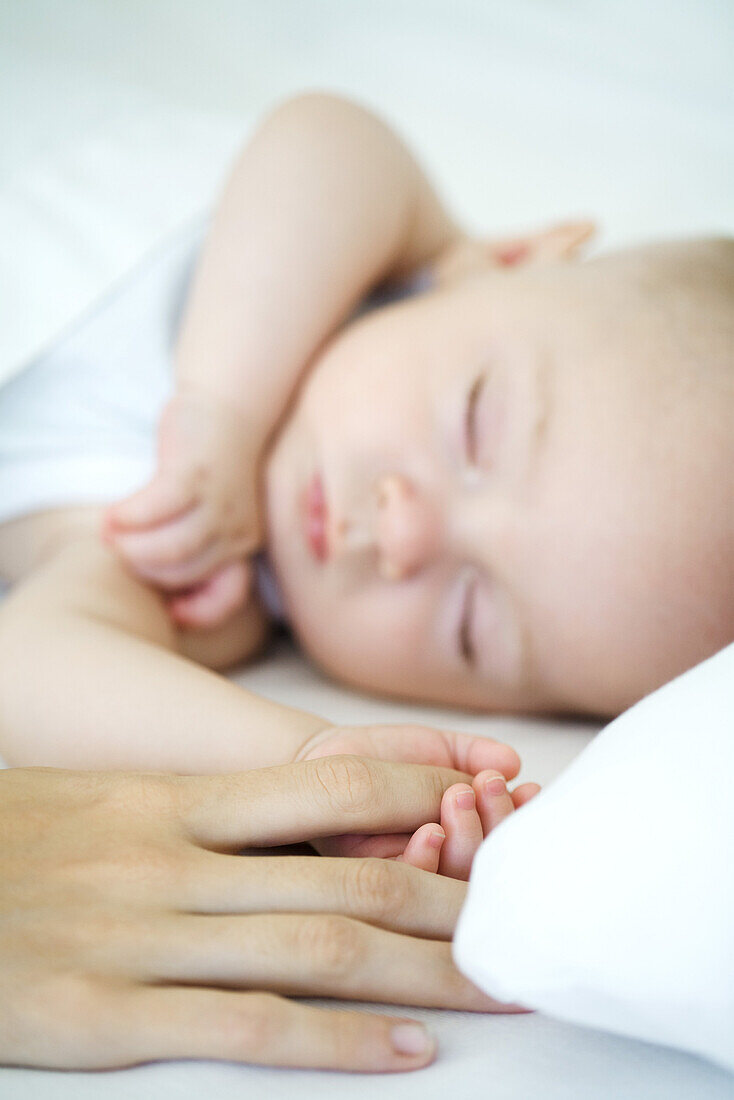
(609, 900)
(78, 425)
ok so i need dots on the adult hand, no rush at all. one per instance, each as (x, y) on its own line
(131, 931)
(463, 825)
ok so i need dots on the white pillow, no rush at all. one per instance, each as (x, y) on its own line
(609, 900)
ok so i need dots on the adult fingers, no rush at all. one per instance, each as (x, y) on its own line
(463, 831)
(261, 1029)
(311, 798)
(308, 955)
(378, 891)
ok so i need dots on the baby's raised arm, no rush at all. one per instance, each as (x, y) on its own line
(324, 203)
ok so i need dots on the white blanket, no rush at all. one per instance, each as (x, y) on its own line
(609, 900)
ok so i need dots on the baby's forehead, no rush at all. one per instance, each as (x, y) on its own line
(619, 308)
(393, 332)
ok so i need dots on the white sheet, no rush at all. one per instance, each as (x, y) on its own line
(115, 122)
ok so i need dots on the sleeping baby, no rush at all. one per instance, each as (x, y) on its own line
(511, 490)
(471, 472)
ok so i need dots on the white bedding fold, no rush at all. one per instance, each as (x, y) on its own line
(609, 900)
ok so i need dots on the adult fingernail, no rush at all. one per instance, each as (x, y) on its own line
(411, 1039)
(465, 800)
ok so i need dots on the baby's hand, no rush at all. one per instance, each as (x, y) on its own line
(191, 528)
(468, 813)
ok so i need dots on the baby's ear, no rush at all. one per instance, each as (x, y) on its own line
(558, 242)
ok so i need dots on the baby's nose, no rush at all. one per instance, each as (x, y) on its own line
(406, 529)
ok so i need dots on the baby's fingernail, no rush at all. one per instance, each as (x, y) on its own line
(436, 838)
(411, 1039)
(465, 800)
(495, 786)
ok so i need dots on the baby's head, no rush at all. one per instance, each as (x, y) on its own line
(516, 492)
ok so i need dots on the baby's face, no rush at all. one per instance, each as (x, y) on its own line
(508, 494)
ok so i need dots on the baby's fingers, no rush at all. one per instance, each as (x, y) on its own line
(494, 802)
(363, 846)
(160, 500)
(170, 543)
(423, 850)
(214, 601)
(524, 793)
(193, 571)
(463, 828)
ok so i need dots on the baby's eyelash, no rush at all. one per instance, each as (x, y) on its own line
(466, 644)
(470, 419)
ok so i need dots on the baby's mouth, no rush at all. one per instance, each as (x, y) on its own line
(316, 518)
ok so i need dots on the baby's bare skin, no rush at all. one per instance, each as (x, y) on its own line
(259, 310)
(562, 543)
(258, 313)
(100, 631)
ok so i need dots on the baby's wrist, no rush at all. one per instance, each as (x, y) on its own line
(232, 420)
(213, 400)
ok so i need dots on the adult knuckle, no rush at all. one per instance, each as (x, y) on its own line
(331, 945)
(347, 781)
(376, 888)
(435, 787)
(158, 866)
(63, 1004)
(91, 939)
(251, 1027)
(135, 867)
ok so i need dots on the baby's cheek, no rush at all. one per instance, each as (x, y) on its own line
(358, 636)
